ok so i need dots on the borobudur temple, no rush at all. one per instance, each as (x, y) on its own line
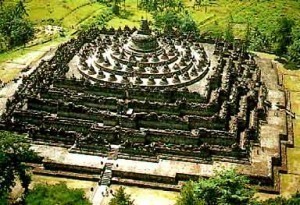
(155, 109)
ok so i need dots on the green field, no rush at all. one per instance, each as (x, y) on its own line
(211, 17)
(214, 17)
(65, 13)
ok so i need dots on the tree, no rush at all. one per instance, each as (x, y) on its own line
(167, 20)
(227, 187)
(14, 151)
(228, 34)
(282, 35)
(187, 23)
(170, 19)
(20, 9)
(259, 40)
(116, 7)
(162, 5)
(294, 200)
(14, 27)
(294, 48)
(121, 198)
(187, 195)
(21, 32)
(247, 35)
(55, 194)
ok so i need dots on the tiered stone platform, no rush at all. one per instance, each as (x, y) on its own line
(157, 110)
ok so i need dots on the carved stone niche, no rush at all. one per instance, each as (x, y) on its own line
(129, 67)
(194, 72)
(176, 66)
(144, 58)
(171, 52)
(125, 79)
(138, 80)
(106, 62)
(91, 70)
(112, 77)
(116, 51)
(175, 79)
(151, 81)
(154, 69)
(166, 69)
(115, 46)
(182, 62)
(186, 76)
(84, 65)
(154, 58)
(117, 66)
(100, 75)
(122, 55)
(141, 69)
(100, 58)
(164, 81)
(165, 55)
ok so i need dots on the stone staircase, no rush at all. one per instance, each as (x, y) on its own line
(107, 175)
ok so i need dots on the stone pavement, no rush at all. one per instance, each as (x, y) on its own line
(290, 182)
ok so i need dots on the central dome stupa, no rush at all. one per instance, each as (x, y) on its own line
(141, 58)
(143, 40)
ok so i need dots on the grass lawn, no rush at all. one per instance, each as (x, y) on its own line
(289, 184)
(71, 183)
(130, 15)
(143, 196)
(297, 133)
(214, 17)
(7, 75)
(20, 53)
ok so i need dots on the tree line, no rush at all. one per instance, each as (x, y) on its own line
(283, 40)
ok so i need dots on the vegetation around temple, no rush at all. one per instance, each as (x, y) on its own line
(162, 95)
(15, 27)
(227, 187)
(14, 151)
(121, 198)
(268, 26)
(54, 194)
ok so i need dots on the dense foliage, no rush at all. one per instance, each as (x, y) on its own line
(15, 28)
(283, 39)
(169, 15)
(294, 200)
(294, 47)
(121, 198)
(55, 194)
(14, 151)
(169, 20)
(226, 187)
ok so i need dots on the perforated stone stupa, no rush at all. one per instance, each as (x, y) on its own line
(154, 109)
(141, 59)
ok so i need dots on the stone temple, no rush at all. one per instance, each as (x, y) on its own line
(138, 107)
